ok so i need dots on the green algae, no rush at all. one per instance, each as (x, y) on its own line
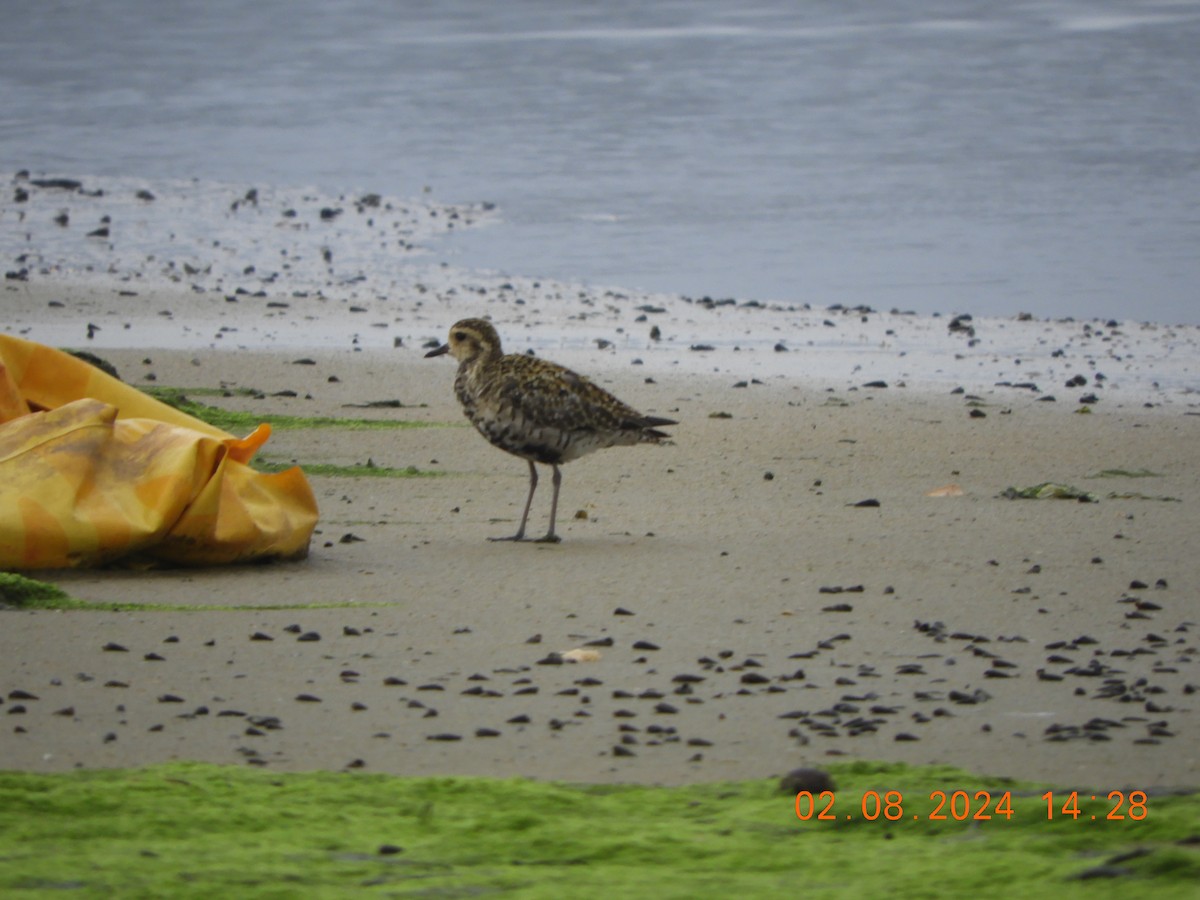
(1049, 490)
(1138, 495)
(357, 470)
(27, 593)
(20, 592)
(192, 830)
(246, 420)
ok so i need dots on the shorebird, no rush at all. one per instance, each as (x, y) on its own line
(538, 410)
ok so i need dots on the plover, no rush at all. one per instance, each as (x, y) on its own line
(538, 410)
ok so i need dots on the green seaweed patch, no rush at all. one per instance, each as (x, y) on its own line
(368, 469)
(1126, 473)
(244, 420)
(199, 830)
(1138, 495)
(1049, 490)
(20, 592)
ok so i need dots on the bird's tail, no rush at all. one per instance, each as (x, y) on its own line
(649, 425)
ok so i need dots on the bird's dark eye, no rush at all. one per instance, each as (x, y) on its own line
(460, 335)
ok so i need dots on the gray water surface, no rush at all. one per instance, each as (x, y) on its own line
(916, 154)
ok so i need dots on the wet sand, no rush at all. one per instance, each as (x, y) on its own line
(750, 615)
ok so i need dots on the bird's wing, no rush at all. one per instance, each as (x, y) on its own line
(552, 396)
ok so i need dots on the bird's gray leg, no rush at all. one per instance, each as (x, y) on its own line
(533, 480)
(551, 537)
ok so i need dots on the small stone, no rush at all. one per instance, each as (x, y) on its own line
(804, 779)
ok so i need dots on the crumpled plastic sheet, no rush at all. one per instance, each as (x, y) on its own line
(94, 472)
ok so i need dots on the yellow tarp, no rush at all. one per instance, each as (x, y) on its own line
(93, 471)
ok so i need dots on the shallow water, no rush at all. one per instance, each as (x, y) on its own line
(920, 155)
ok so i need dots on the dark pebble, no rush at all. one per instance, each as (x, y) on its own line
(812, 780)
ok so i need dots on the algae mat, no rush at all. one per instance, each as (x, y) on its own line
(192, 830)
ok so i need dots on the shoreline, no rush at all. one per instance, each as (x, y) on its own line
(728, 547)
(1068, 360)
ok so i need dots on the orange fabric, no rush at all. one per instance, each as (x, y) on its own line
(100, 472)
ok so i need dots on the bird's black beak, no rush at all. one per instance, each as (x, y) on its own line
(438, 351)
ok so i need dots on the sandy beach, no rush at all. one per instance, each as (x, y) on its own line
(750, 612)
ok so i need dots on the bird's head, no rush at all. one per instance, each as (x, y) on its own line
(470, 339)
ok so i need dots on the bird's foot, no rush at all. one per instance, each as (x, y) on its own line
(520, 538)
